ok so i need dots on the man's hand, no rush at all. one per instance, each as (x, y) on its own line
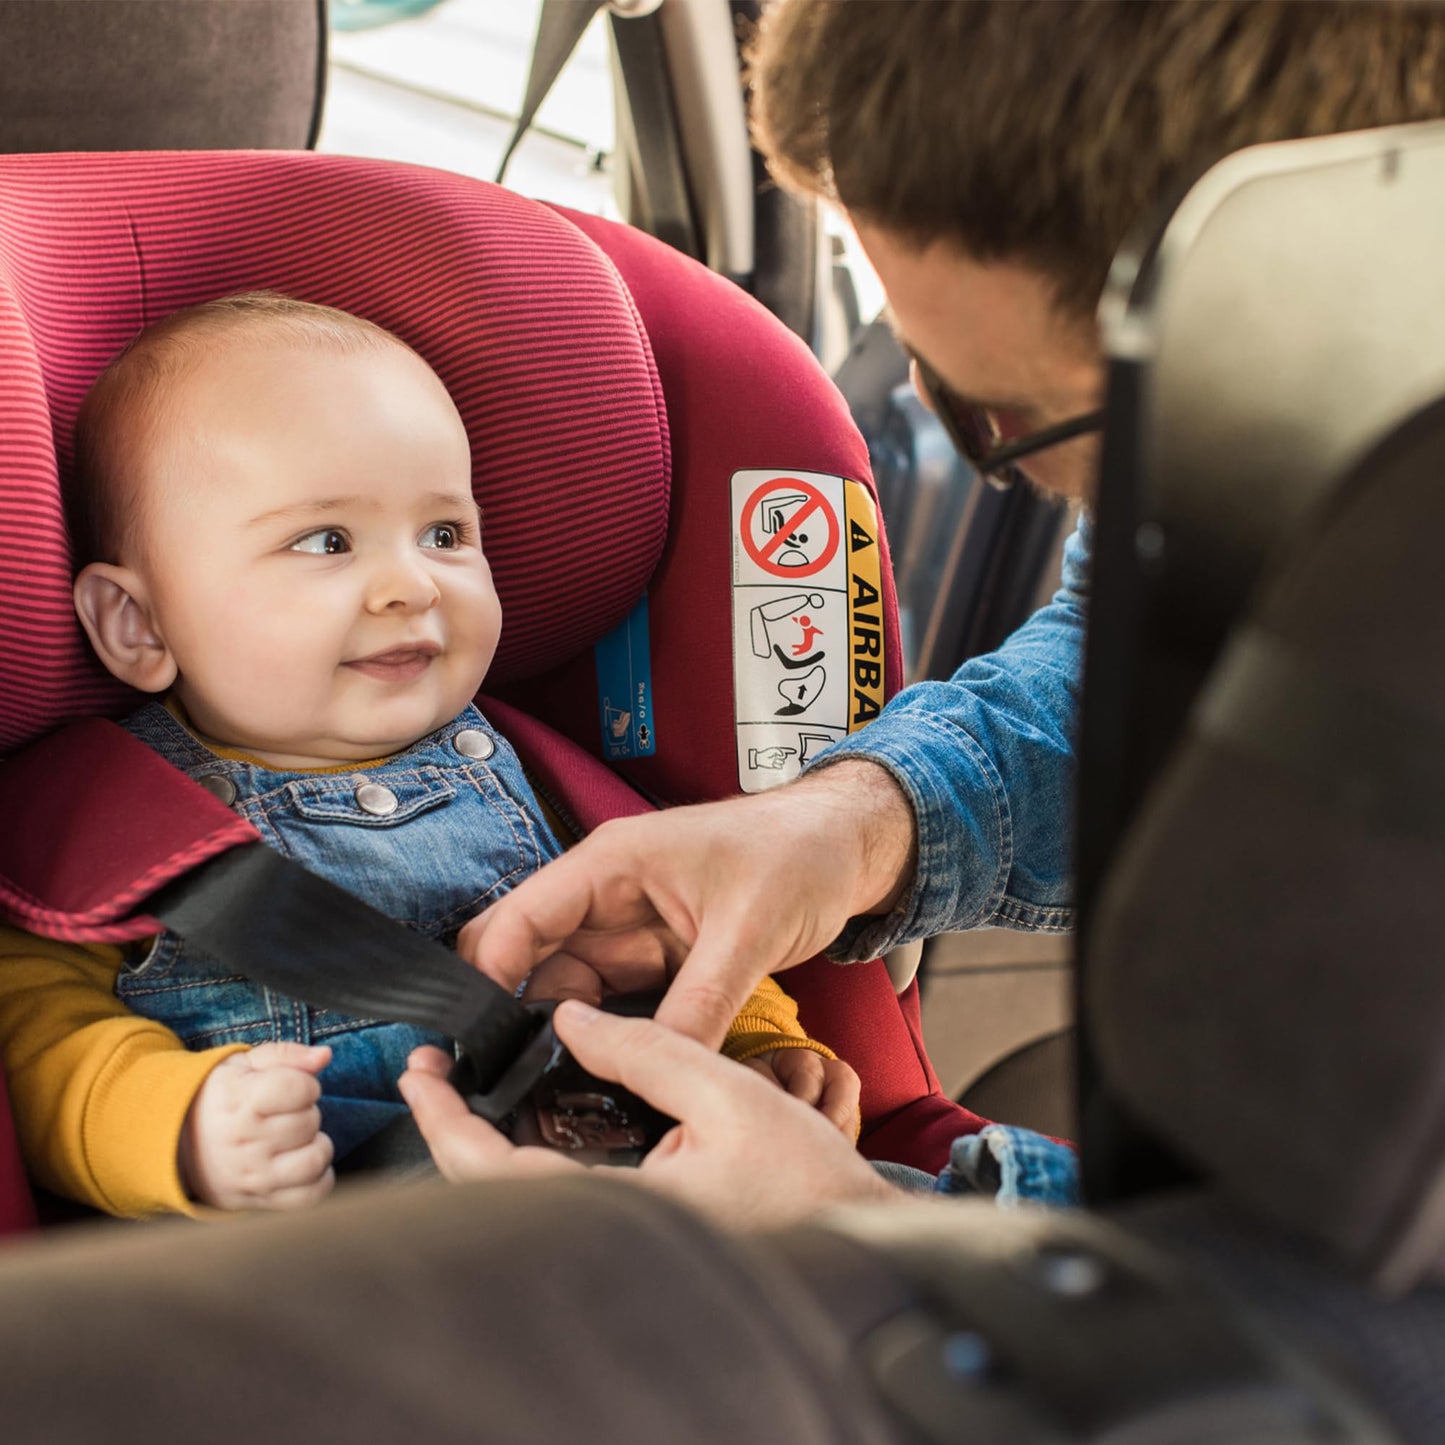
(719, 894)
(830, 1086)
(744, 1152)
(252, 1138)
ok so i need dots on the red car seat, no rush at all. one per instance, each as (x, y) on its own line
(611, 389)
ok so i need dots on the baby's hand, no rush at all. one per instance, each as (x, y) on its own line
(829, 1085)
(252, 1138)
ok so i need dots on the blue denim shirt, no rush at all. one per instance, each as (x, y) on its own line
(464, 831)
(987, 761)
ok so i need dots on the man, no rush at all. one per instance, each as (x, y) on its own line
(992, 157)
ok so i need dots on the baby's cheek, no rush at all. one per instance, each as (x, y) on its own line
(476, 626)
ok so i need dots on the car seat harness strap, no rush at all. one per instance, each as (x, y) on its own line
(250, 907)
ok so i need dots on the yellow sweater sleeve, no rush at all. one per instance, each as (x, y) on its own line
(99, 1093)
(769, 1021)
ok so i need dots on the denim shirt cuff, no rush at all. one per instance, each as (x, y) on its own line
(1014, 1166)
(953, 788)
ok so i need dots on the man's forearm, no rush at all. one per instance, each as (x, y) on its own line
(875, 823)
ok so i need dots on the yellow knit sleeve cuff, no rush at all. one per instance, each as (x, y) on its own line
(768, 1021)
(745, 1045)
(150, 1087)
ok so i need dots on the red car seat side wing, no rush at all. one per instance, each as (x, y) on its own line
(17, 1209)
(742, 392)
(97, 821)
(583, 791)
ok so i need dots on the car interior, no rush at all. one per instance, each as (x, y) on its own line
(1263, 521)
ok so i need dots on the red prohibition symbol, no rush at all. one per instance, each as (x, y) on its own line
(785, 552)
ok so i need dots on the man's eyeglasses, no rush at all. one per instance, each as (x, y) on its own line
(975, 434)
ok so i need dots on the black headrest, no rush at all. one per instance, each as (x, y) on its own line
(94, 75)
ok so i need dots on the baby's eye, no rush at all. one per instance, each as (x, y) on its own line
(442, 535)
(326, 542)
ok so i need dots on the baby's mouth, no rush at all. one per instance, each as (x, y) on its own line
(397, 664)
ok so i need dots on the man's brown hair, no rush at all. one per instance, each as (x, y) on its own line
(1041, 131)
(123, 411)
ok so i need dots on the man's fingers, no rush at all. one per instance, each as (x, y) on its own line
(600, 886)
(675, 1074)
(710, 989)
(534, 920)
(462, 1145)
(429, 1060)
(649, 949)
(446, 1123)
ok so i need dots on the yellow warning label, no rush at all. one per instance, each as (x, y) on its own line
(865, 606)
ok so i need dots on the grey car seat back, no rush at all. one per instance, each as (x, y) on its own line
(1272, 917)
(1261, 978)
(115, 75)
(1261, 338)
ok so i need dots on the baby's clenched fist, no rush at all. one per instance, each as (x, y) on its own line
(252, 1138)
(829, 1085)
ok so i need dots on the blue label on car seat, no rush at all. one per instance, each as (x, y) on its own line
(624, 687)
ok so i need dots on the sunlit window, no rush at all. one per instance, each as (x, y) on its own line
(440, 82)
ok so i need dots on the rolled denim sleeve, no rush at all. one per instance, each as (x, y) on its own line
(1015, 1166)
(986, 759)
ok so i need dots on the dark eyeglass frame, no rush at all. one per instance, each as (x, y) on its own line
(975, 436)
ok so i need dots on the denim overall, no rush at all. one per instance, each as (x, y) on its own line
(431, 836)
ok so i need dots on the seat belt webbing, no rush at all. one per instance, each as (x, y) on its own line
(560, 25)
(283, 927)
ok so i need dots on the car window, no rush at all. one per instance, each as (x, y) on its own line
(442, 85)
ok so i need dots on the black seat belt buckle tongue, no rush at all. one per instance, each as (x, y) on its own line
(545, 1097)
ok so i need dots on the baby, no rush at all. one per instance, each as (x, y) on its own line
(273, 519)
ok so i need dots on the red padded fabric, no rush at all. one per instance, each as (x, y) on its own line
(578, 787)
(556, 383)
(17, 1209)
(63, 873)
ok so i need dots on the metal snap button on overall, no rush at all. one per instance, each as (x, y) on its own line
(474, 743)
(219, 787)
(374, 799)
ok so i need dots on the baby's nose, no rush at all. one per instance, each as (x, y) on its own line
(402, 584)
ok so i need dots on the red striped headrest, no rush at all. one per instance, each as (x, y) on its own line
(524, 319)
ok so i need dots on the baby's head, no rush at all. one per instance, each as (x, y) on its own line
(273, 519)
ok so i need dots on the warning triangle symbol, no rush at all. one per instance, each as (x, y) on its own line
(857, 537)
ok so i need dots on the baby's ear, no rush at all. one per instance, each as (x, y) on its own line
(114, 609)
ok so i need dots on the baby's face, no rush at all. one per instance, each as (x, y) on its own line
(313, 553)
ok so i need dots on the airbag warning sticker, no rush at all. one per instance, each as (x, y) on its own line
(807, 619)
